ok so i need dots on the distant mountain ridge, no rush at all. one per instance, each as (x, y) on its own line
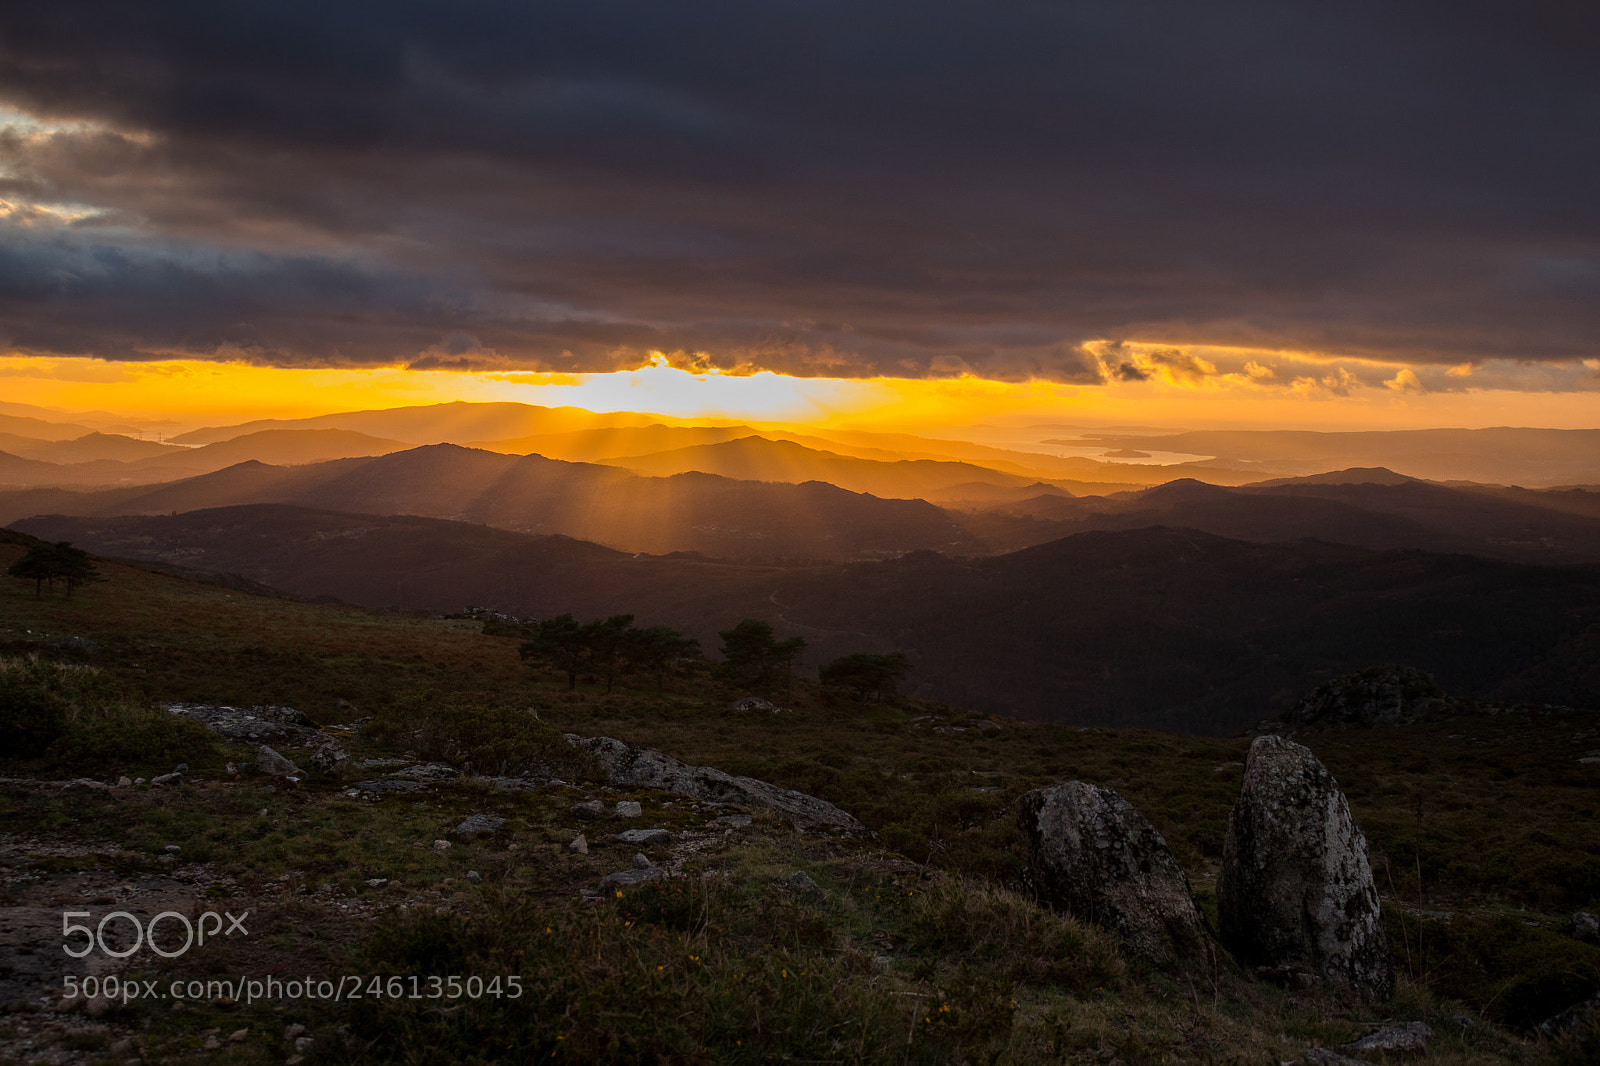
(688, 512)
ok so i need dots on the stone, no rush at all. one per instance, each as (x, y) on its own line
(635, 767)
(579, 845)
(735, 821)
(238, 1036)
(167, 779)
(284, 724)
(85, 784)
(329, 758)
(1568, 1019)
(474, 876)
(479, 825)
(124, 781)
(430, 771)
(643, 838)
(1319, 1056)
(985, 726)
(1097, 858)
(801, 884)
(641, 861)
(589, 810)
(629, 809)
(270, 762)
(754, 703)
(1295, 896)
(377, 882)
(379, 788)
(441, 845)
(1383, 695)
(1410, 1038)
(632, 877)
(1585, 927)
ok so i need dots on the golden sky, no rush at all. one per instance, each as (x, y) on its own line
(1192, 391)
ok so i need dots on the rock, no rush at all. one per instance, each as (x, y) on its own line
(474, 876)
(1295, 895)
(292, 1031)
(377, 882)
(632, 877)
(579, 845)
(173, 848)
(641, 861)
(270, 762)
(430, 771)
(1553, 1027)
(732, 820)
(378, 788)
(985, 726)
(441, 845)
(170, 779)
(479, 825)
(85, 784)
(1094, 856)
(589, 810)
(238, 1036)
(124, 781)
(629, 809)
(329, 758)
(755, 703)
(801, 884)
(181, 768)
(1319, 1056)
(1412, 1037)
(643, 838)
(283, 724)
(625, 764)
(1383, 695)
(1585, 927)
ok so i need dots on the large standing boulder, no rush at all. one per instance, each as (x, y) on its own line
(1295, 896)
(1097, 858)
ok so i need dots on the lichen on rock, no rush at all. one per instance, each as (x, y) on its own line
(1295, 896)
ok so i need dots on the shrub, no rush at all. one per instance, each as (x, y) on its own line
(34, 706)
(73, 718)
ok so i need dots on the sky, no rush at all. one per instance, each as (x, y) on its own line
(1345, 214)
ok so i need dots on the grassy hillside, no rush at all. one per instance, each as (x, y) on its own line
(921, 945)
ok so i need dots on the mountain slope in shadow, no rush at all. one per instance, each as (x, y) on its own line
(1163, 628)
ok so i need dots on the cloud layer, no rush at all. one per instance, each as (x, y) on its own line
(830, 188)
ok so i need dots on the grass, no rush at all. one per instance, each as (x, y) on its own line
(923, 945)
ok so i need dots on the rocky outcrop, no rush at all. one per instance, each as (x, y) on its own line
(1383, 695)
(625, 764)
(1295, 896)
(1410, 1038)
(283, 724)
(1094, 856)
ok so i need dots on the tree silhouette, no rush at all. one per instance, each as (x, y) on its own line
(44, 563)
(864, 672)
(657, 649)
(607, 641)
(753, 660)
(561, 642)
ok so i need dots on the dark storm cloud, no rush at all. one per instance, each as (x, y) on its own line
(818, 188)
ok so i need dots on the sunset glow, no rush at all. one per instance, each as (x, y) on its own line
(189, 393)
